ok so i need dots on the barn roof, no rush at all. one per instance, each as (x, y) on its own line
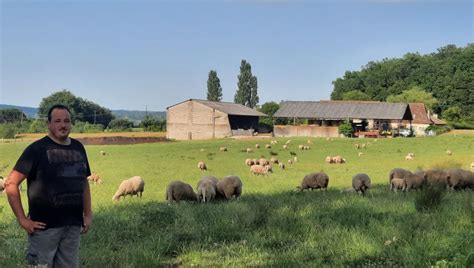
(340, 110)
(228, 107)
(420, 116)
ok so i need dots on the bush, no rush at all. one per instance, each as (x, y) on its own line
(346, 129)
(8, 131)
(153, 124)
(86, 127)
(38, 126)
(120, 124)
(437, 130)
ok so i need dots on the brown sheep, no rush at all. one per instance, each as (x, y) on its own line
(312, 181)
(178, 190)
(229, 186)
(398, 173)
(361, 183)
(202, 166)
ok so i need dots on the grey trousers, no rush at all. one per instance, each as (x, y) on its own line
(54, 247)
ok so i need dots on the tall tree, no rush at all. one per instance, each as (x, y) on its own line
(246, 86)
(355, 95)
(415, 94)
(214, 89)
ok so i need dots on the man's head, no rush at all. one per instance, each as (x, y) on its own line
(59, 122)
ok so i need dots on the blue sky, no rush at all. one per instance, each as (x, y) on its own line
(137, 54)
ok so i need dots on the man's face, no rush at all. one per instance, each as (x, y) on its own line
(60, 125)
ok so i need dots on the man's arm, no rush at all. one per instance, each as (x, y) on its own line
(11, 187)
(87, 208)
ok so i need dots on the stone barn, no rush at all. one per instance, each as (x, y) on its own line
(322, 118)
(201, 119)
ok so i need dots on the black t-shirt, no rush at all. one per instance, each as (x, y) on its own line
(56, 175)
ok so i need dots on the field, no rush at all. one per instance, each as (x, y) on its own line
(271, 224)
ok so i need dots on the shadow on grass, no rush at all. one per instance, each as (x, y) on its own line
(284, 229)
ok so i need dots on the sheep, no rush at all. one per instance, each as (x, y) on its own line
(329, 160)
(223, 149)
(257, 146)
(178, 190)
(411, 154)
(201, 150)
(460, 179)
(357, 146)
(448, 152)
(290, 161)
(285, 147)
(414, 181)
(102, 153)
(229, 186)
(397, 184)
(263, 162)
(95, 178)
(408, 157)
(300, 147)
(360, 154)
(281, 165)
(206, 189)
(312, 181)
(273, 142)
(361, 183)
(363, 146)
(268, 146)
(255, 162)
(259, 170)
(249, 150)
(202, 166)
(437, 177)
(273, 160)
(306, 147)
(399, 173)
(132, 186)
(338, 159)
(295, 159)
(249, 162)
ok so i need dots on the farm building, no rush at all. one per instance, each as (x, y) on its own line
(201, 119)
(322, 118)
(422, 119)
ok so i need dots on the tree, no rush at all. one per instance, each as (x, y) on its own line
(120, 124)
(214, 89)
(81, 109)
(247, 86)
(268, 108)
(11, 115)
(415, 94)
(452, 114)
(355, 95)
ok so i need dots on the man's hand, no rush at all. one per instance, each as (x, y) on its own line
(30, 225)
(87, 224)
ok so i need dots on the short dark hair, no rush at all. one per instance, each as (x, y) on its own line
(57, 106)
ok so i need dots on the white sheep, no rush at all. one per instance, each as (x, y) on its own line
(295, 159)
(249, 162)
(448, 152)
(301, 147)
(408, 157)
(202, 166)
(268, 146)
(281, 165)
(257, 146)
(249, 150)
(360, 153)
(290, 161)
(285, 147)
(329, 160)
(132, 186)
(223, 149)
(263, 162)
(273, 160)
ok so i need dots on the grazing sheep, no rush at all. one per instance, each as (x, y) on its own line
(178, 190)
(290, 161)
(255, 162)
(229, 186)
(408, 157)
(448, 152)
(329, 160)
(273, 142)
(338, 159)
(223, 149)
(414, 181)
(360, 153)
(202, 166)
(295, 159)
(95, 178)
(206, 189)
(411, 154)
(300, 147)
(102, 152)
(202, 150)
(249, 162)
(397, 184)
(257, 146)
(312, 181)
(273, 160)
(249, 150)
(259, 169)
(285, 147)
(132, 186)
(309, 142)
(437, 177)
(460, 179)
(399, 173)
(361, 183)
(281, 165)
(268, 146)
(263, 162)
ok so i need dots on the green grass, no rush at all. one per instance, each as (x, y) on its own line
(271, 225)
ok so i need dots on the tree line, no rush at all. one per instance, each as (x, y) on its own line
(443, 80)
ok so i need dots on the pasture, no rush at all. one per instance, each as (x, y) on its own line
(271, 224)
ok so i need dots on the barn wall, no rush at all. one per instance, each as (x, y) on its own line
(306, 131)
(192, 120)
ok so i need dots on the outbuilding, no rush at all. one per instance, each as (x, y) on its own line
(195, 119)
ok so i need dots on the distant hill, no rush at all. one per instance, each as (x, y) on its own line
(131, 115)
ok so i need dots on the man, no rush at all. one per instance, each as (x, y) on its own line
(59, 199)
